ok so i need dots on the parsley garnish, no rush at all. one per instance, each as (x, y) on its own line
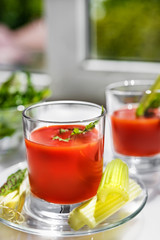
(77, 131)
(102, 110)
(90, 126)
(63, 130)
(61, 139)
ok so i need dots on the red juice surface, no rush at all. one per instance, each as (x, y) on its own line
(64, 172)
(134, 136)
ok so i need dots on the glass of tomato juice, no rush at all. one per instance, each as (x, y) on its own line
(134, 139)
(64, 146)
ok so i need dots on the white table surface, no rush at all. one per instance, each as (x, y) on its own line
(145, 226)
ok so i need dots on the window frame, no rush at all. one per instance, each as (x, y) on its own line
(75, 76)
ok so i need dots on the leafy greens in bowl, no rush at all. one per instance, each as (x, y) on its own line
(17, 91)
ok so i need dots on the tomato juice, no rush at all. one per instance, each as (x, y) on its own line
(64, 172)
(135, 136)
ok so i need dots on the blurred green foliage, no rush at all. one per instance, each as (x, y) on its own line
(17, 90)
(12, 93)
(16, 13)
(125, 29)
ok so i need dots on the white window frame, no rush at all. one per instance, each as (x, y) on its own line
(74, 75)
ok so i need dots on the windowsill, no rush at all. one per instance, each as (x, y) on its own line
(120, 66)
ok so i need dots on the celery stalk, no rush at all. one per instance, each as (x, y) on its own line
(115, 179)
(93, 212)
(75, 220)
(151, 100)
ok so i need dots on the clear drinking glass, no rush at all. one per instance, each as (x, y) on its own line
(65, 158)
(134, 139)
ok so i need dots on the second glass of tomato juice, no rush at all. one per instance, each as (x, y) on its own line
(135, 139)
(64, 146)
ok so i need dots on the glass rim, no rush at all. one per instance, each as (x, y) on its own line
(85, 103)
(128, 83)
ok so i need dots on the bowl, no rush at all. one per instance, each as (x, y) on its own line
(12, 105)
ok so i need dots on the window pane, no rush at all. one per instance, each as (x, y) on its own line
(22, 34)
(125, 29)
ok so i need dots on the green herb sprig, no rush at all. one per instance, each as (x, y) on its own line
(63, 130)
(77, 131)
(61, 139)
